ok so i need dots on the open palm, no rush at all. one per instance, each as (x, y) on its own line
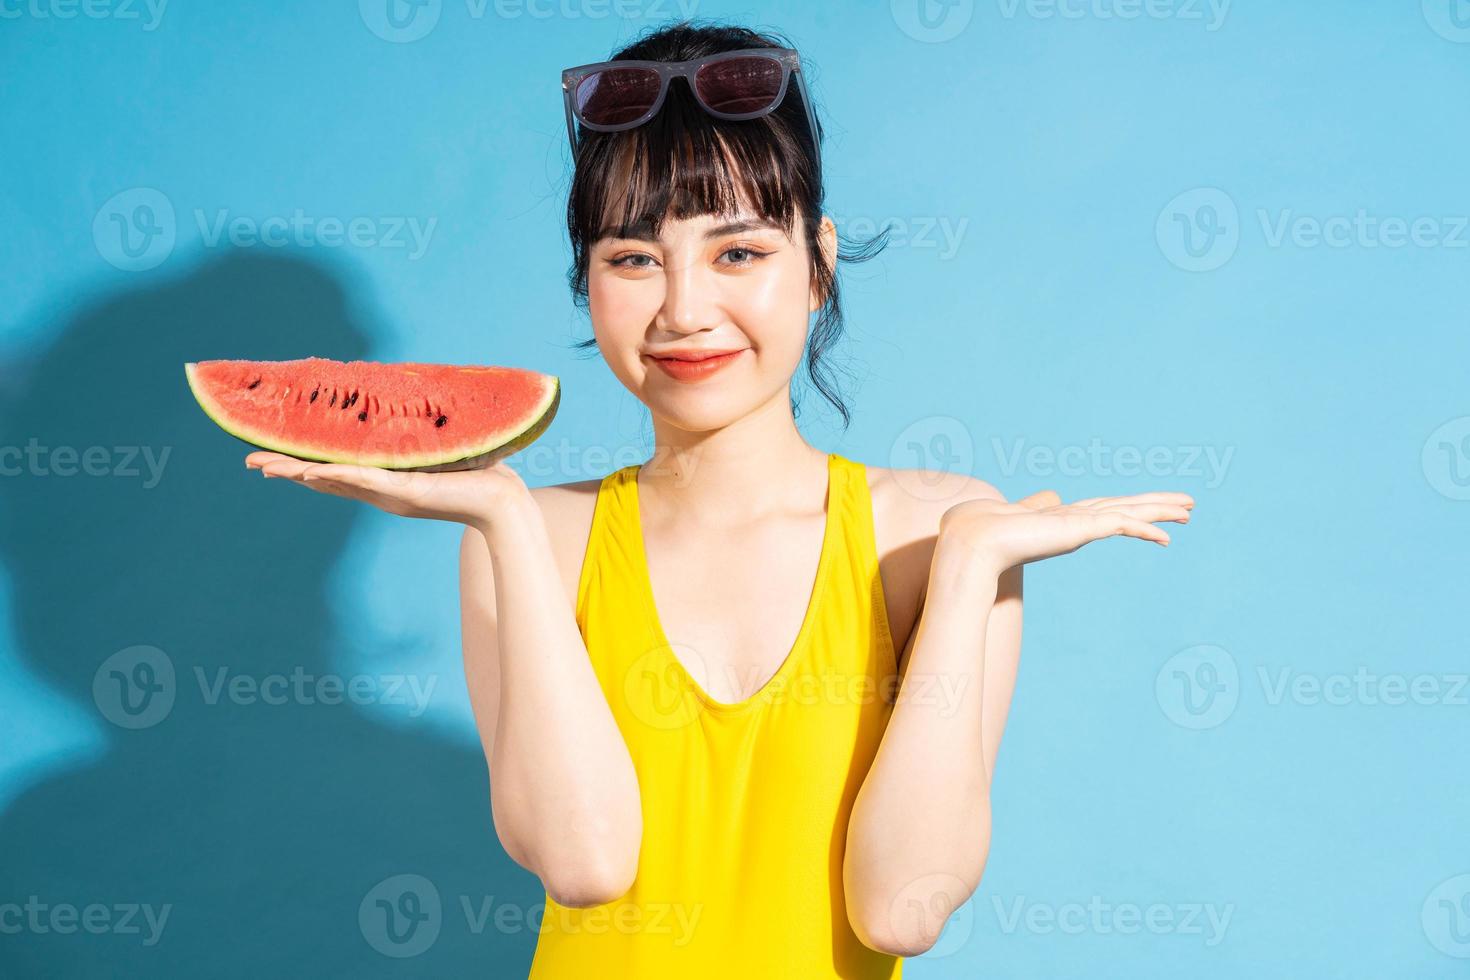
(1041, 526)
(466, 496)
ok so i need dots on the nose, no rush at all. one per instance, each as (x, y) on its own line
(690, 299)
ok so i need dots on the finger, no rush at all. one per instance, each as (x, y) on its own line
(368, 478)
(1119, 523)
(1041, 500)
(1161, 496)
(1151, 512)
(285, 466)
(261, 457)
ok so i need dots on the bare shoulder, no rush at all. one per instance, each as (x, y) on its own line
(907, 506)
(915, 499)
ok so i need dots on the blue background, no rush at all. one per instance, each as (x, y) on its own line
(1087, 201)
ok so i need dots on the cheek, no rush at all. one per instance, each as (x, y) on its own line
(772, 307)
(620, 309)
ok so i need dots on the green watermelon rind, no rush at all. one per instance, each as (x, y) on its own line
(491, 452)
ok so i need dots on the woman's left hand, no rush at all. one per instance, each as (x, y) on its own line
(1003, 535)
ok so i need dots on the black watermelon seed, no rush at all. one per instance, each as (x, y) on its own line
(254, 384)
(439, 422)
(318, 391)
(334, 398)
(362, 416)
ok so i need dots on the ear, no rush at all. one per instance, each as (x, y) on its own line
(827, 241)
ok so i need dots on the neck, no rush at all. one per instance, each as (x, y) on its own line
(740, 472)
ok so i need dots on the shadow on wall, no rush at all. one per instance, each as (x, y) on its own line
(219, 835)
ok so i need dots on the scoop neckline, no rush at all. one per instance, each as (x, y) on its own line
(803, 633)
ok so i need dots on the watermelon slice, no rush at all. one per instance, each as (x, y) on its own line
(429, 417)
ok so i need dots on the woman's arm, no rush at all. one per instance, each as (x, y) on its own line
(925, 803)
(919, 832)
(564, 793)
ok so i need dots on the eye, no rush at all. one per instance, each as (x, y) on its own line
(627, 261)
(743, 255)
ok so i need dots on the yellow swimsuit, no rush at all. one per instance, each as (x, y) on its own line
(745, 805)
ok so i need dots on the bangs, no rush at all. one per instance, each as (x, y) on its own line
(685, 164)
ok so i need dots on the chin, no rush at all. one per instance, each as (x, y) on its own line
(691, 412)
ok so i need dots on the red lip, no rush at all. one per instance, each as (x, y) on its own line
(695, 365)
(691, 355)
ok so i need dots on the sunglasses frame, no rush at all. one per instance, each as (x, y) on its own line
(790, 61)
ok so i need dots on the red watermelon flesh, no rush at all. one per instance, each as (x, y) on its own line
(397, 416)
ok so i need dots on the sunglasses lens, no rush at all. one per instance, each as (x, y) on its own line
(740, 85)
(616, 95)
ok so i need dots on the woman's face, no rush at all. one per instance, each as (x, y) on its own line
(709, 283)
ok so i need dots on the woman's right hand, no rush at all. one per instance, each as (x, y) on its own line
(472, 497)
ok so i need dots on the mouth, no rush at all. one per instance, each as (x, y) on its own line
(693, 356)
(693, 366)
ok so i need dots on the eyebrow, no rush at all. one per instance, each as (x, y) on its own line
(642, 231)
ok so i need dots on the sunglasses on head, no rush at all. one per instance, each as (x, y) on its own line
(615, 95)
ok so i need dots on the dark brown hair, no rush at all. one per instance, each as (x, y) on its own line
(683, 163)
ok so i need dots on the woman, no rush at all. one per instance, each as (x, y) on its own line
(741, 703)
